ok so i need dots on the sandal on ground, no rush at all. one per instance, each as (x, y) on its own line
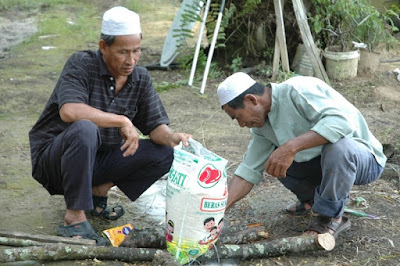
(322, 224)
(299, 208)
(83, 230)
(110, 213)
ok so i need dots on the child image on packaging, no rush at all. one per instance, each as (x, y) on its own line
(169, 231)
(209, 224)
(220, 226)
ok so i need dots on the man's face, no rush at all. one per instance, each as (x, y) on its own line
(122, 56)
(252, 115)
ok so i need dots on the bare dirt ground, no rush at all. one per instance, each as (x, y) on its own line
(26, 206)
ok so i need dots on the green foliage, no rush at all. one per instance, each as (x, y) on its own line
(249, 7)
(236, 64)
(340, 22)
(165, 86)
(189, 16)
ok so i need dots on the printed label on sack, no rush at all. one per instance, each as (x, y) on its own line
(209, 176)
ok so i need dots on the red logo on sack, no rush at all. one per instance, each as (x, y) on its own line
(209, 176)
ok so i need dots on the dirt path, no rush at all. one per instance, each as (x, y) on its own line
(27, 207)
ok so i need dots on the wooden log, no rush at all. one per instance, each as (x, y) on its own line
(155, 238)
(272, 248)
(54, 252)
(47, 238)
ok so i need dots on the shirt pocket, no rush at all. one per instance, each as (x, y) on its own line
(128, 112)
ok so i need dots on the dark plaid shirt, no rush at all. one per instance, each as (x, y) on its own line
(86, 79)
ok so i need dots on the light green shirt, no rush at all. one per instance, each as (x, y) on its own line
(299, 105)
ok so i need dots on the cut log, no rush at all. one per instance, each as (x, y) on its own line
(272, 248)
(264, 249)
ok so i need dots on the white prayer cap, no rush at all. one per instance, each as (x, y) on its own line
(233, 86)
(120, 21)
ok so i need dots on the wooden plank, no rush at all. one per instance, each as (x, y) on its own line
(47, 238)
(280, 31)
(309, 41)
(277, 52)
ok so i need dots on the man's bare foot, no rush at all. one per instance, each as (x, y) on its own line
(300, 208)
(102, 190)
(306, 206)
(74, 217)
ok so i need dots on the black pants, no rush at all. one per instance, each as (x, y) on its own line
(73, 163)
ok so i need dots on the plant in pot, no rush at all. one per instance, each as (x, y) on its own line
(336, 24)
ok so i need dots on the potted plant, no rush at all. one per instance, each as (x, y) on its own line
(336, 24)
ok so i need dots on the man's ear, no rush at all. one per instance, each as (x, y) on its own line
(251, 98)
(102, 46)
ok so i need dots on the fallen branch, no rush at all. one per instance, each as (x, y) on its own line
(16, 242)
(54, 252)
(47, 238)
(155, 238)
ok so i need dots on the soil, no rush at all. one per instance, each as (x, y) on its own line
(27, 207)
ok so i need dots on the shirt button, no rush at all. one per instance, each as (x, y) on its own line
(112, 101)
(111, 78)
(112, 88)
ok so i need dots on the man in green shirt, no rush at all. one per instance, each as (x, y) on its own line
(310, 137)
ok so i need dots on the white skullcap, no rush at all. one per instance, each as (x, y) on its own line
(120, 21)
(233, 86)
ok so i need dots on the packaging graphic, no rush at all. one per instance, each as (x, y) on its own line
(116, 235)
(196, 201)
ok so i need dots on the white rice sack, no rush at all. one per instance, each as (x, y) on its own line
(196, 200)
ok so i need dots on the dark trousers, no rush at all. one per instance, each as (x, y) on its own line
(72, 164)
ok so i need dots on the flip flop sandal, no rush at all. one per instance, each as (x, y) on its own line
(110, 213)
(322, 224)
(299, 208)
(84, 230)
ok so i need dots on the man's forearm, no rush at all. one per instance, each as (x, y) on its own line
(71, 112)
(237, 189)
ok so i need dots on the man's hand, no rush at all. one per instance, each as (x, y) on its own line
(131, 137)
(279, 161)
(176, 138)
(282, 158)
(164, 136)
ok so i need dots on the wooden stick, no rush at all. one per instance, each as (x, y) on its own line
(47, 238)
(17, 242)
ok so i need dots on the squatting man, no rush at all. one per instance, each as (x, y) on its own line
(86, 140)
(308, 136)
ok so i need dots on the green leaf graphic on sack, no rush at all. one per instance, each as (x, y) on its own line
(209, 176)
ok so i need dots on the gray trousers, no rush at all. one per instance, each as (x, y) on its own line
(328, 179)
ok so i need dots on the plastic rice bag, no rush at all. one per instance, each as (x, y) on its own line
(196, 200)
